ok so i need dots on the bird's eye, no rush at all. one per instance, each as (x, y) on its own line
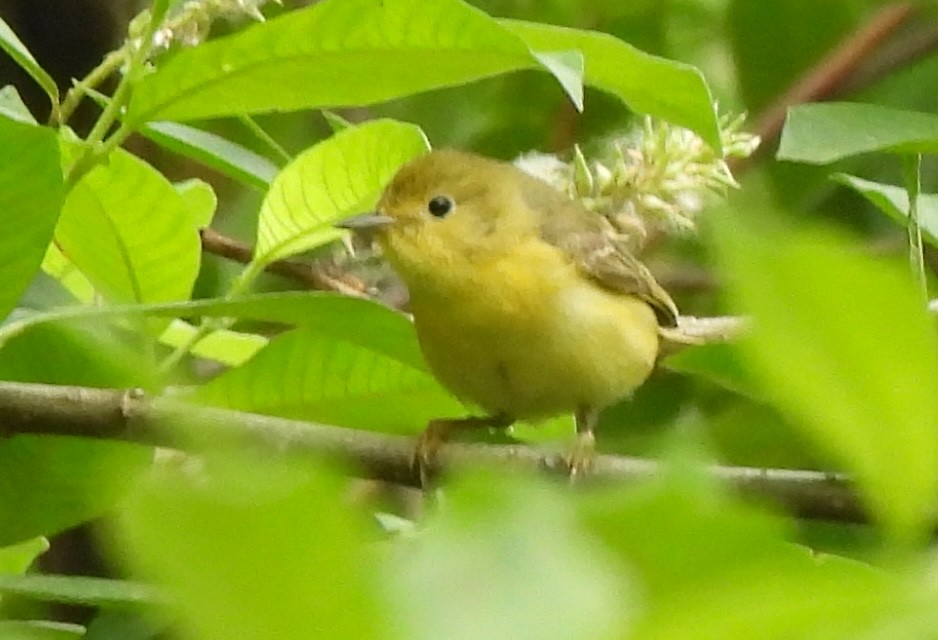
(439, 206)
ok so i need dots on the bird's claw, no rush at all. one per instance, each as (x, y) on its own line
(579, 458)
(423, 461)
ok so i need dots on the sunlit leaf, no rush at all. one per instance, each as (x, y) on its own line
(229, 347)
(67, 274)
(380, 49)
(338, 177)
(16, 559)
(200, 200)
(130, 232)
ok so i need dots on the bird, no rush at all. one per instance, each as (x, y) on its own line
(526, 304)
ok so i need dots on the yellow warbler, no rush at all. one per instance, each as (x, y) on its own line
(525, 304)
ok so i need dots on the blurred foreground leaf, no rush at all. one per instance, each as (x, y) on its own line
(506, 560)
(844, 346)
(255, 550)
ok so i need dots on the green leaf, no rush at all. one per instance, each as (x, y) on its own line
(334, 179)
(336, 122)
(523, 566)
(849, 353)
(320, 375)
(826, 132)
(260, 549)
(92, 592)
(567, 68)
(158, 9)
(781, 597)
(130, 232)
(200, 200)
(48, 484)
(719, 363)
(83, 351)
(709, 566)
(15, 48)
(16, 559)
(894, 202)
(385, 331)
(680, 530)
(30, 201)
(56, 265)
(226, 157)
(666, 89)
(755, 434)
(334, 53)
(118, 624)
(13, 107)
(40, 630)
(228, 347)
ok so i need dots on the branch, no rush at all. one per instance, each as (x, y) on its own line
(113, 414)
(308, 274)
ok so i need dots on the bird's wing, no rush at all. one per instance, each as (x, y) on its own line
(589, 240)
(612, 265)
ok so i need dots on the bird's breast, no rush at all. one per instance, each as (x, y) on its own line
(531, 337)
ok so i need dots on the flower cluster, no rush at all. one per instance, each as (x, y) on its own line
(654, 178)
(189, 22)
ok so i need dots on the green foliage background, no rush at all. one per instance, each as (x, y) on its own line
(271, 132)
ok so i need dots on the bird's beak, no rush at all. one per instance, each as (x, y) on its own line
(366, 222)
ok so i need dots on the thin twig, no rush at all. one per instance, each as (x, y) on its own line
(912, 174)
(267, 139)
(115, 414)
(310, 275)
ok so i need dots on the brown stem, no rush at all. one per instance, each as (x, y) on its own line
(910, 49)
(308, 274)
(115, 414)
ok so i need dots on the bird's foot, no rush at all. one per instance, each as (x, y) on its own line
(579, 457)
(424, 460)
(428, 445)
